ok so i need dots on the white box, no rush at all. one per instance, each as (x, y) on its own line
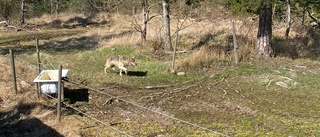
(48, 80)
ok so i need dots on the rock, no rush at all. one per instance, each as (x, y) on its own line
(181, 73)
(282, 84)
(293, 73)
(25, 84)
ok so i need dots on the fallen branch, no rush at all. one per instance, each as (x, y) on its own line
(157, 87)
(314, 18)
(185, 88)
(177, 52)
(14, 27)
(301, 67)
(4, 22)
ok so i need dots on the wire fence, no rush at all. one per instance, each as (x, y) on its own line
(75, 109)
(115, 97)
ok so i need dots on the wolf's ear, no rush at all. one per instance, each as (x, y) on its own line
(133, 57)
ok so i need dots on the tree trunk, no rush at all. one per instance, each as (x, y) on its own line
(166, 25)
(145, 13)
(173, 70)
(54, 6)
(235, 45)
(134, 9)
(288, 19)
(263, 46)
(51, 6)
(57, 7)
(303, 15)
(22, 21)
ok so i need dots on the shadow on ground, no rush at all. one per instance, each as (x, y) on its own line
(76, 95)
(65, 46)
(137, 73)
(307, 46)
(131, 73)
(17, 123)
(88, 21)
(75, 44)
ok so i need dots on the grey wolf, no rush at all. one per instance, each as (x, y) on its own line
(119, 61)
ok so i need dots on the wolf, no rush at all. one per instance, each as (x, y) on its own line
(119, 61)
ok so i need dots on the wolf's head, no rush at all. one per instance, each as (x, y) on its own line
(130, 61)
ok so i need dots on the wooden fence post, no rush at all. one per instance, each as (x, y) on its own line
(59, 93)
(235, 43)
(14, 81)
(38, 56)
(173, 70)
(39, 69)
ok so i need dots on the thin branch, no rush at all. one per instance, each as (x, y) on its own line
(313, 18)
(152, 6)
(95, 5)
(152, 17)
(135, 24)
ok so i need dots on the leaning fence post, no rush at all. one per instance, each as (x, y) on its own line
(38, 66)
(38, 56)
(235, 43)
(14, 81)
(59, 93)
(62, 90)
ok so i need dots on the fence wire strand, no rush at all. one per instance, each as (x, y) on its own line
(146, 108)
(129, 102)
(97, 120)
(47, 60)
(122, 132)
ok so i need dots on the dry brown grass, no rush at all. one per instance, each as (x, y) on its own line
(119, 31)
(202, 58)
(30, 115)
(301, 42)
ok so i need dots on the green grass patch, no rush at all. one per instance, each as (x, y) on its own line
(88, 66)
(243, 69)
(309, 81)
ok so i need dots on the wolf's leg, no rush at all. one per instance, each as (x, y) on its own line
(120, 72)
(123, 69)
(105, 69)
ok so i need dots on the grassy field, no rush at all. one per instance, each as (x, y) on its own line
(258, 97)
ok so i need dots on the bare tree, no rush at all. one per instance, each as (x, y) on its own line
(178, 29)
(54, 6)
(166, 25)
(22, 21)
(304, 10)
(145, 16)
(288, 19)
(263, 46)
(144, 19)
